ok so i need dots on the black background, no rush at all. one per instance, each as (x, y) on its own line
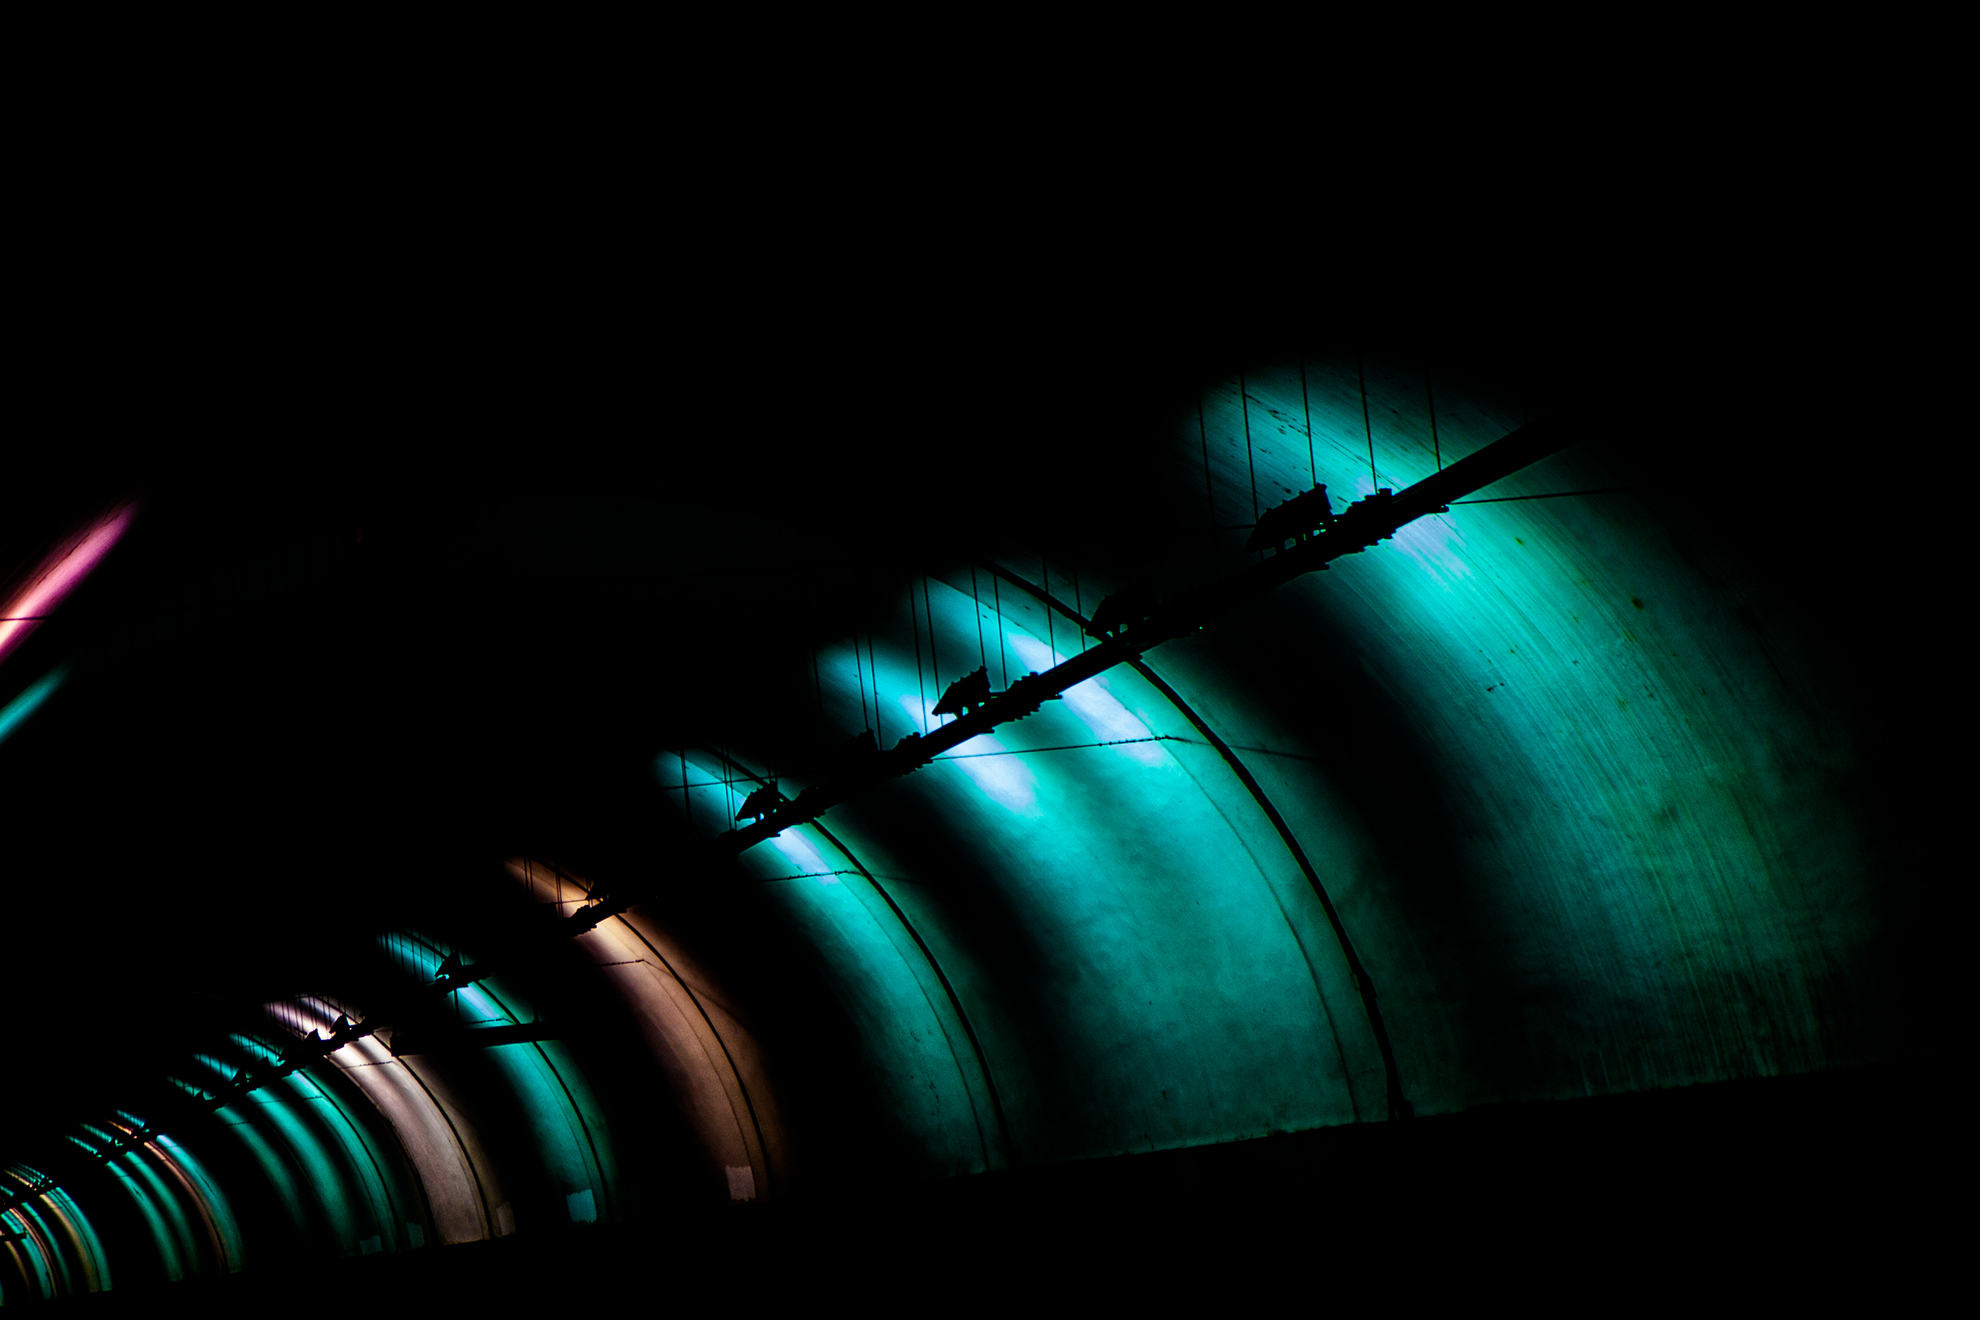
(217, 811)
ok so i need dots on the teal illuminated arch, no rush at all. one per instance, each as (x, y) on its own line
(1132, 921)
(572, 1141)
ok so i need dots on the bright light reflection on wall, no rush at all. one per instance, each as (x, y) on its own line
(441, 1161)
(705, 1053)
(1006, 780)
(571, 1140)
(57, 576)
(1093, 703)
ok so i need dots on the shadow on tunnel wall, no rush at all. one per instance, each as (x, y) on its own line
(285, 787)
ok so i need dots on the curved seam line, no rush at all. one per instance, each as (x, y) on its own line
(1398, 1104)
(1306, 868)
(955, 1002)
(398, 1140)
(57, 1257)
(727, 1057)
(735, 1073)
(569, 1099)
(199, 1203)
(480, 1192)
(392, 1207)
(1306, 953)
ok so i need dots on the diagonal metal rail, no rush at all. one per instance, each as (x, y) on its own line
(1363, 524)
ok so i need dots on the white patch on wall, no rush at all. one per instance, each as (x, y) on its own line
(505, 1220)
(1094, 704)
(742, 1182)
(1005, 779)
(583, 1208)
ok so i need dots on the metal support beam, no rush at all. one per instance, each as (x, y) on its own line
(1360, 526)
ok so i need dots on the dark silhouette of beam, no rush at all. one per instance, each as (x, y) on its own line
(1361, 525)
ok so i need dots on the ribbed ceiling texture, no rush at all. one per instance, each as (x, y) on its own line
(370, 823)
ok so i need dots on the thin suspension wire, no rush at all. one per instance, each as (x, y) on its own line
(1077, 608)
(914, 628)
(859, 677)
(1244, 407)
(1312, 469)
(1361, 372)
(1431, 394)
(997, 602)
(976, 602)
(1559, 494)
(1050, 645)
(934, 664)
(873, 672)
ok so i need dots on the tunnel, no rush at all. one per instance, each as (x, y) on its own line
(1550, 867)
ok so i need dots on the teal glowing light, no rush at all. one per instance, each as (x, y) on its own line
(386, 1213)
(273, 1167)
(164, 1211)
(167, 1242)
(218, 1210)
(798, 851)
(571, 1139)
(1093, 703)
(913, 1046)
(1650, 824)
(1174, 949)
(82, 1234)
(185, 1245)
(16, 711)
(39, 1266)
(60, 1277)
(328, 1177)
(1004, 778)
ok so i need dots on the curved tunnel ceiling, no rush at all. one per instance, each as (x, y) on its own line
(1543, 797)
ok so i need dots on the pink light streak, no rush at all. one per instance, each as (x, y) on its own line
(58, 575)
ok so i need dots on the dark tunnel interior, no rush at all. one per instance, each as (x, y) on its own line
(1627, 803)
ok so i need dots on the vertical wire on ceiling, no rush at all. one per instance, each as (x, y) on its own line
(976, 605)
(1045, 568)
(1430, 393)
(859, 680)
(919, 695)
(934, 664)
(1306, 406)
(1251, 469)
(1077, 608)
(997, 603)
(873, 675)
(1361, 374)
